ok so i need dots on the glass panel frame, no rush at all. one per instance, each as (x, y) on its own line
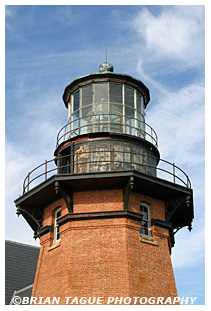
(146, 220)
(57, 215)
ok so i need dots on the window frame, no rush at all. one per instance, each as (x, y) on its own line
(147, 221)
(56, 226)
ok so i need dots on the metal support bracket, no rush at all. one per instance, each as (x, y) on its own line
(65, 193)
(172, 205)
(29, 215)
(126, 192)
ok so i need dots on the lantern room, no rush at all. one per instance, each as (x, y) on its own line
(107, 102)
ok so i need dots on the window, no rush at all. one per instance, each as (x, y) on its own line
(57, 236)
(145, 222)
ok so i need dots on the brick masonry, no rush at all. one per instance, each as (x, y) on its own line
(104, 257)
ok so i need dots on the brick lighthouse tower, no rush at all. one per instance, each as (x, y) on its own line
(106, 208)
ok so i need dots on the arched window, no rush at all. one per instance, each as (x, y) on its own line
(57, 236)
(145, 222)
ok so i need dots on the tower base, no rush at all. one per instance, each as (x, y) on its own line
(101, 253)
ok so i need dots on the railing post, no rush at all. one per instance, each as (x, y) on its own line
(58, 164)
(77, 162)
(120, 124)
(174, 172)
(28, 182)
(72, 159)
(112, 159)
(46, 169)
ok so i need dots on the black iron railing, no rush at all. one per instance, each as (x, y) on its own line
(113, 123)
(112, 160)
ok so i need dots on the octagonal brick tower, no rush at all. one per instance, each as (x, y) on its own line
(106, 207)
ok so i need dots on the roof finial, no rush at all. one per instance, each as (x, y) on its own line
(106, 67)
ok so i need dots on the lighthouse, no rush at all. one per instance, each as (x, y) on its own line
(106, 207)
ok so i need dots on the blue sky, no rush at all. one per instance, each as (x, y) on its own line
(46, 47)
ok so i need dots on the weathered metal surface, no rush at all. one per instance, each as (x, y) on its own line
(108, 155)
(106, 67)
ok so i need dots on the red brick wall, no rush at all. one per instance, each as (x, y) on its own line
(104, 257)
(98, 201)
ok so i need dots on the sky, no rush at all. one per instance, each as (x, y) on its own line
(46, 47)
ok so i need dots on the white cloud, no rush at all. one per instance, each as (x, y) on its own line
(178, 118)
(31, 139)
(17, 164)
(176, 33)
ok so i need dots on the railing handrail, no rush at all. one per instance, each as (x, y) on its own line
(142, 132)
(28, 181)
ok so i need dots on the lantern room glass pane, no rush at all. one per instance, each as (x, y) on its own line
(129, 97)
(130, 126)
(138, 98)
(86, 111)
(100, 108)
(75, 124)
(87, 95)
(115, 93)
(116, 109)
(87, 100)
(76, 101)
(101, 93)
(116, 123)
(129, 112)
